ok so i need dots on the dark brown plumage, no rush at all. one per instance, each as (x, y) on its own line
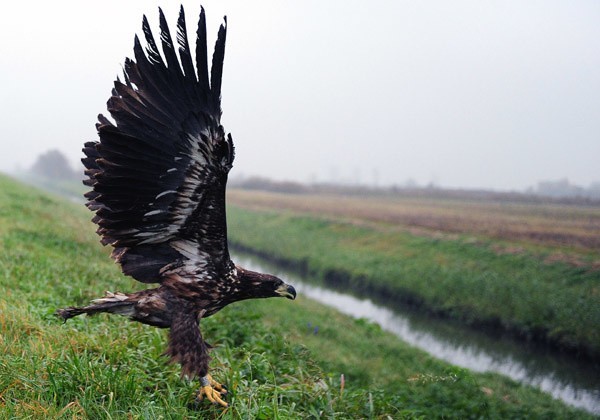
(158, 176)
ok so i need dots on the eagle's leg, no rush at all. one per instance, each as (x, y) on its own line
(187, 347)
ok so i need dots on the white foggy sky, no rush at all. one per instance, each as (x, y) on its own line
(492, 94)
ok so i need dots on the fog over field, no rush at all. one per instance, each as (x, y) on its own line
(499, 94)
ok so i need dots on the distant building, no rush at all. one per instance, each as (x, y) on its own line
(563, 188)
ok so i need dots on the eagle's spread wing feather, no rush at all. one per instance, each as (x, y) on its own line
(159, 171)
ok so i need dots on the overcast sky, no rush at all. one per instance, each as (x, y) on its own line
(476, 94)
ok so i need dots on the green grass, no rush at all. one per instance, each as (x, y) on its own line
(274, 365)
(471, 281)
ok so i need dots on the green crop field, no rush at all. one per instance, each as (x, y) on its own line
(529, 284)
(275, 367)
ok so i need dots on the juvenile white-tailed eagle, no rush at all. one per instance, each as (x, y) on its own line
(158, 177)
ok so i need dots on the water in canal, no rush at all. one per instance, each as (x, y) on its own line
(566, 378)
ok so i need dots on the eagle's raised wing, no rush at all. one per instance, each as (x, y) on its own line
(159, 173)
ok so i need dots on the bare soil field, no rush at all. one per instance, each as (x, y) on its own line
(571, 232)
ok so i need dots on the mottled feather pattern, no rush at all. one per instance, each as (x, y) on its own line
(159, 173)
(186, 345)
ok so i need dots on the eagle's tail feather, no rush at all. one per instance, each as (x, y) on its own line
(116, 303)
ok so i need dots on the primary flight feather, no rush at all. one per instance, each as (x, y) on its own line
(158, 175)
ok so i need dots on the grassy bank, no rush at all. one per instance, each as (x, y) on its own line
(275, 366)
(523, 292)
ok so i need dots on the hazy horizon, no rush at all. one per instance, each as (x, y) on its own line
(497, 95)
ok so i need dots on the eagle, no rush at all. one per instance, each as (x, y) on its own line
(158, 175)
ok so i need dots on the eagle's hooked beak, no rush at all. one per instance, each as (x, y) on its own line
(287, 291)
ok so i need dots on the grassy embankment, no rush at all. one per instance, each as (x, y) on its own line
(105, 367)
(531, 269)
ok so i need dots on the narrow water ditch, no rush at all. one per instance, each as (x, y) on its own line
(566, 378)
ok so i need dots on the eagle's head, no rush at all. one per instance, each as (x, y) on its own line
(259, 285)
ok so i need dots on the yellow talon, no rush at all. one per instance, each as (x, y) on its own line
(213, 391)
(216, 385)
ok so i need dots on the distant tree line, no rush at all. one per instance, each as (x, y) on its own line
(53, 165)
(546, 191)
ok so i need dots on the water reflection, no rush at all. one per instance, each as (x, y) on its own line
(563, 377)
